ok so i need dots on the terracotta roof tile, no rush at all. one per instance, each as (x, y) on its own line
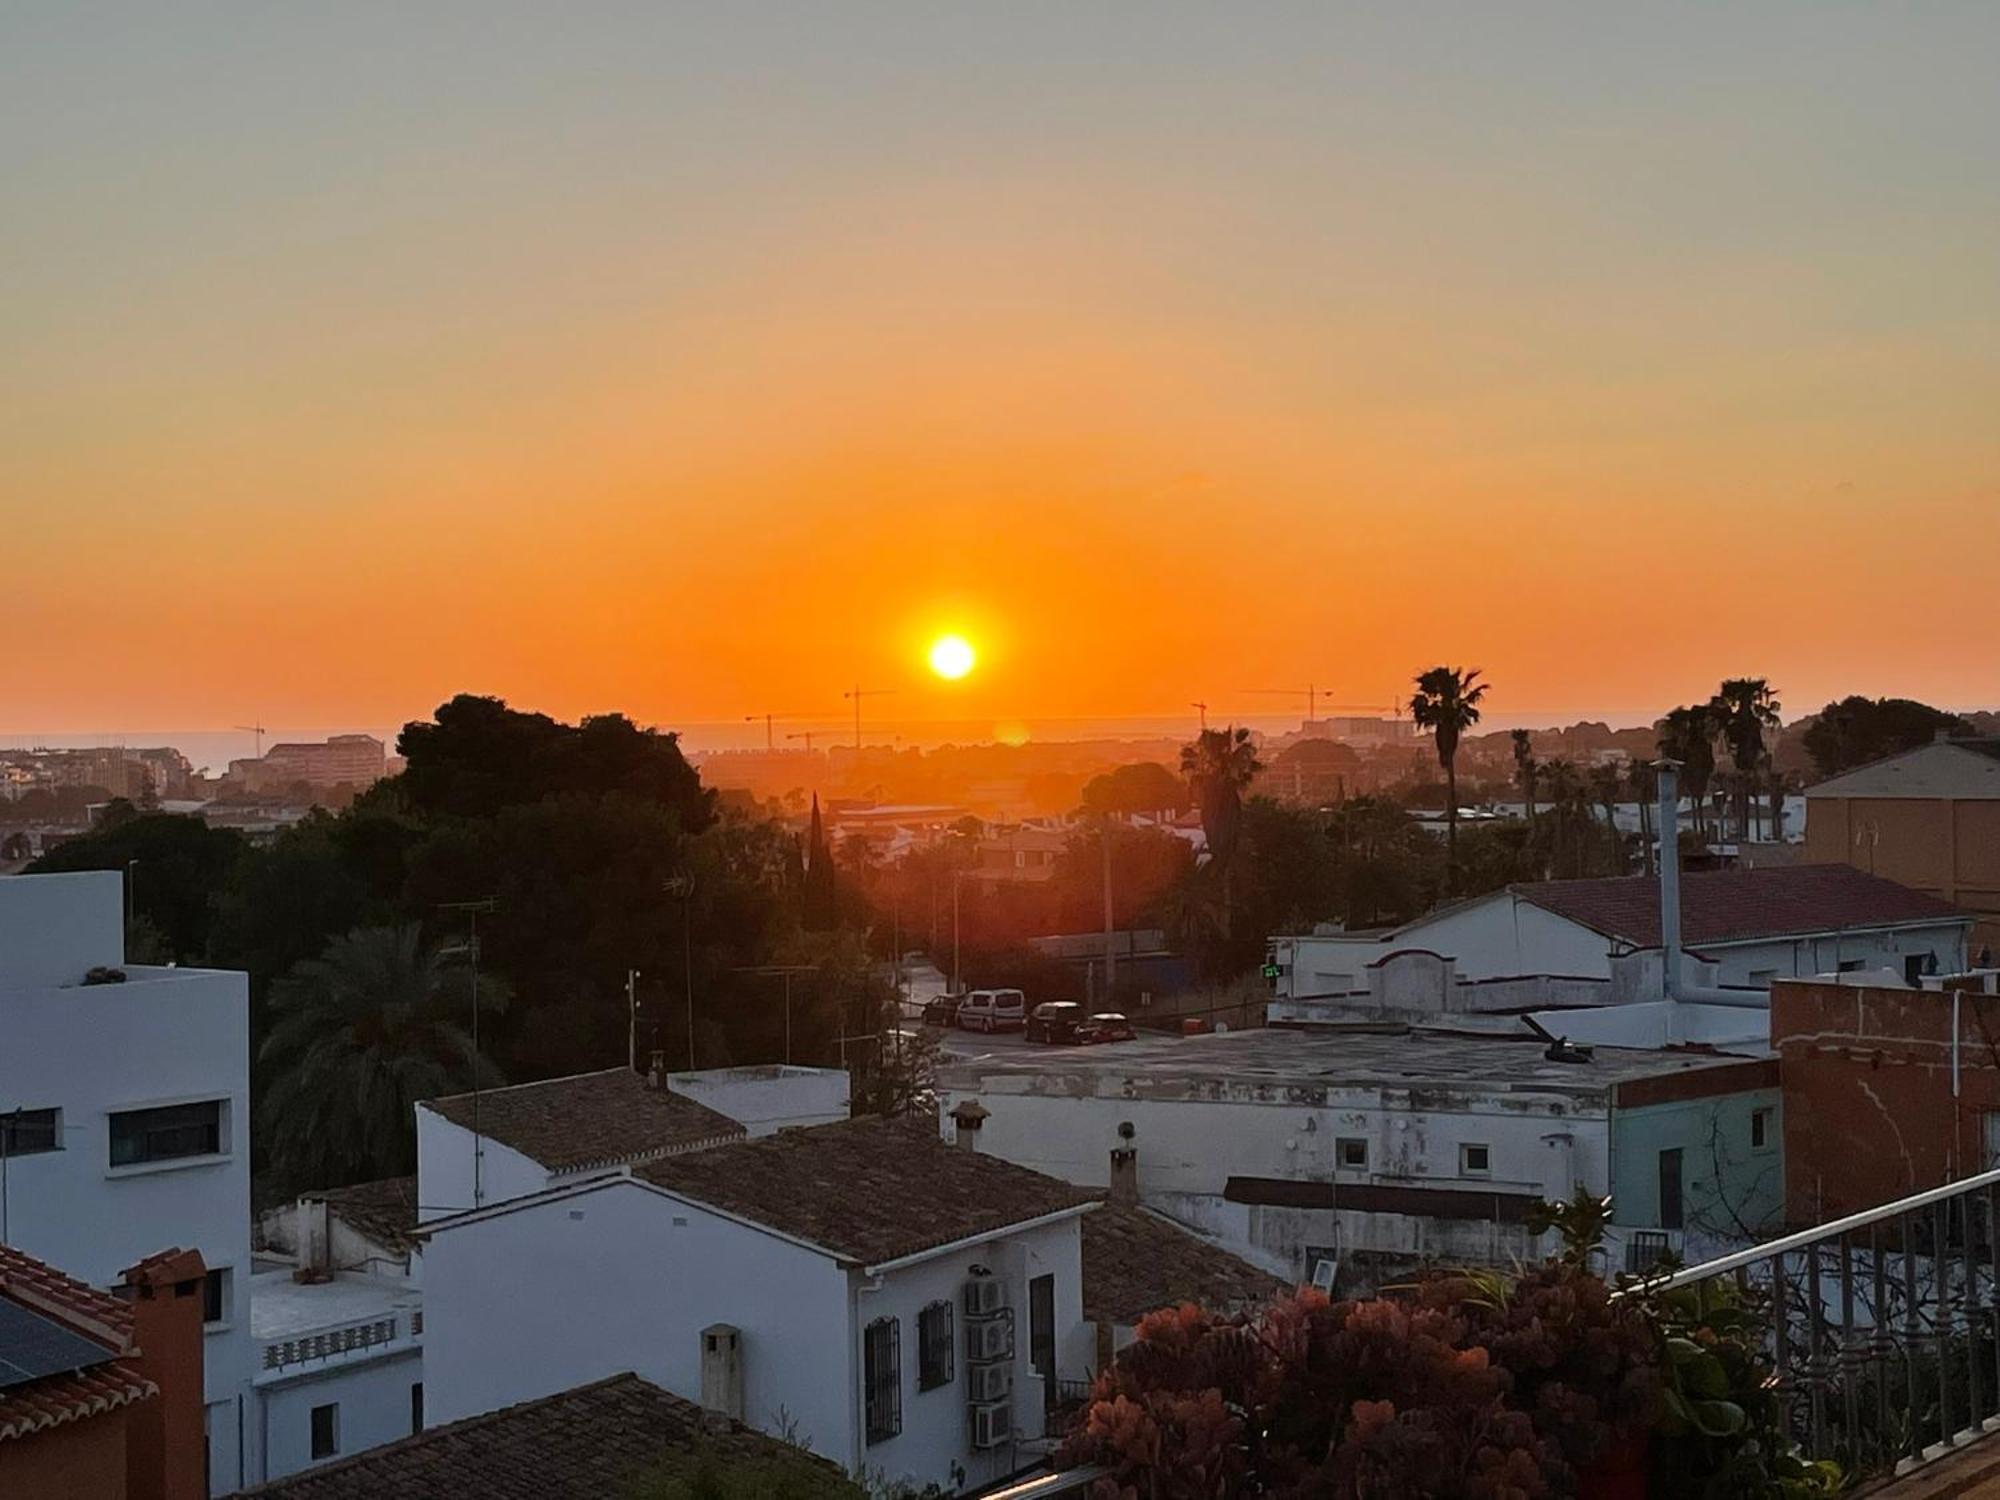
(590, 1120)
(384, 1211)
(869, 1190)
(1721, 906)
(1135, 1261)
(589, 1443)
(37, 1404)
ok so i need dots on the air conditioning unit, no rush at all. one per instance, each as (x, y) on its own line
(992, 1424)
(984, 1295)
(989, 1338)
(989, 1382)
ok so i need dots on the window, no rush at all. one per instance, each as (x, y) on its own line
(1351, 1151)
(1671, 1209)
(1475, 1159)
(882, 1378)
(215, 1296)
(1914, 967)
(416, 1406)
(166, 1134)
(27, 1132)
(934, 1350)
(1852, 965)
(1042, 1329)
(326, 1430)
(1760, 1128)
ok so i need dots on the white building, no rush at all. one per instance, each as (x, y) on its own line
(125, 1091)
(474, 1150)
(769, 1097)
(902, 1307)
(1754, 925)
(1375, 1149)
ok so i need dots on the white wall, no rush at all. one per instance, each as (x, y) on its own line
(374, 1400)
(445, 1169)
(165, 1036)
(1492, 938)
(768, 1099)
(617, 1277)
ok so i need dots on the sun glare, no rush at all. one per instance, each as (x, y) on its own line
(952, 656)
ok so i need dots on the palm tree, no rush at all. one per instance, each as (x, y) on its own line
(1446, 703)
(1566, 797)
(1743, 708)
(358, 1036)
(1219, 765)
(1645, 784)
(1687, 735)
(1607, 783)
(1525, 768)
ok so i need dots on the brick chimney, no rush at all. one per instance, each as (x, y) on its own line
(166, 1448)
(1125, 1174)
(968, 1117)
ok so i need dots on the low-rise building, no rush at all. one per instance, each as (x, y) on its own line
(485, 1148)
(1889, 1089)
(125, 1098)
(1929, 817)
(1754, 925)
(905, 1308)
(1136, 1261)
(101, 1395)
(596, 1441)
(768, 1097)
(1371, 1150)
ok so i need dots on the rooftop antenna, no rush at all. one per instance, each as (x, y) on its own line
(472, 910)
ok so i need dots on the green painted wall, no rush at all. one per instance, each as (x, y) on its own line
(1728, 1185)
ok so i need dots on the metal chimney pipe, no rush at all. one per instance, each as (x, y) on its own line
(1672, 978)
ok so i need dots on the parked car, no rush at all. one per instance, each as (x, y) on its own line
(1110, 1026)
(1060, 1023)
(943, 1011)
(993, 1010)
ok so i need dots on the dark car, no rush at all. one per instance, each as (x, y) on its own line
(1060, 1023)
(943, 1011)
(1110, 1026)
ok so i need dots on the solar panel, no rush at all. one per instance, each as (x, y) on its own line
(33, 1347)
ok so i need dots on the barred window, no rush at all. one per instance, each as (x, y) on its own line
(882, 1378)
(934, 1350)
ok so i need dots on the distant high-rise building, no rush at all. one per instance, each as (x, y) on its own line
(356, 760)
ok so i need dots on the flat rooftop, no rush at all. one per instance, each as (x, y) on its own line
(281, 1308)
(1361, 1056)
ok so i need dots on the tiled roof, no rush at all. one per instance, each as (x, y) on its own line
(385, 1211)
(55, 1399)
(868, 1190)
(590, 1120)
(1723, 906)
(589, 1443)
(1134, 1262)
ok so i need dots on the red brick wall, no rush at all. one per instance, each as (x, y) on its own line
(169, 1448)
(72, 1461)
(1869, 1114)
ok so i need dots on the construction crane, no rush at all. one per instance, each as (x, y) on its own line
(258, 730)
(1311, 694)
(769, 719)
(807, 736)
(1202, 709)
(856, 694)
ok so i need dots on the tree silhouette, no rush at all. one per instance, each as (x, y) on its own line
(1446, 702)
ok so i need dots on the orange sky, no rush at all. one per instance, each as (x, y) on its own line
(515, 369)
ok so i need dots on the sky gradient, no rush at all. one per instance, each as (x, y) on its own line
(699, 361)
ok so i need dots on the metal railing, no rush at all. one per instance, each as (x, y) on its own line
(1884, 1326)
(331, 1343)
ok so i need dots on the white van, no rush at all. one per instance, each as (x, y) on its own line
(993, 1010)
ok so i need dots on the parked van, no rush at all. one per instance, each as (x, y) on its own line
(993, 1010)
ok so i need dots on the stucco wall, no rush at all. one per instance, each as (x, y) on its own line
(165, 1036)
(374, 1400)
(1949, 847)
(766, 1100)
(1731, 1190)
(445, 1169)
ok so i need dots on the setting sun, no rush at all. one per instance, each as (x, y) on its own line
(952, 656)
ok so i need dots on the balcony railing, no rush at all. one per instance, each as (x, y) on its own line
(325, 1344)
(1884, 1326)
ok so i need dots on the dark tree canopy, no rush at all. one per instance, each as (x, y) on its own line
(1144, 786)
(1857, 730)
(177, 865)
(478, 756)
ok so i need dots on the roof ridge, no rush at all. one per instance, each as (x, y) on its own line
(532, 1083)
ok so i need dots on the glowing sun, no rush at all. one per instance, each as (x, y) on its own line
(952, 656)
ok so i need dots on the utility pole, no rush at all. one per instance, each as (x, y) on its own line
(955, 985)
(1110, 926)
(784, 971)
(472, 910)
(632, 1019)
(857, 693)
